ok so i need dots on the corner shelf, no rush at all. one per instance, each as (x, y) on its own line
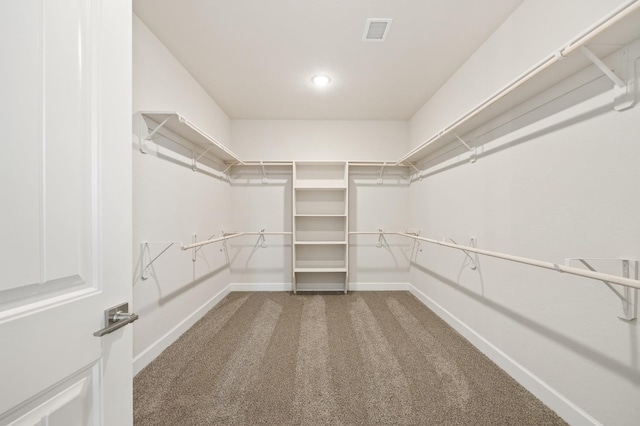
(184, 128)
(320, 224)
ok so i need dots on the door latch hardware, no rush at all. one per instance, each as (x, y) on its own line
(115, 318)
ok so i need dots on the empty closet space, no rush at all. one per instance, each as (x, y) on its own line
(494, 218)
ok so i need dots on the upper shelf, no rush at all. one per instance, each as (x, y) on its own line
(614, 31)
(179, 125)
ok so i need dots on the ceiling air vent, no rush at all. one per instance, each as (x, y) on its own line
(376, 29)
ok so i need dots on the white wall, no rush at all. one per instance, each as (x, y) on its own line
(258, 205)
(162, 84)
(535, 30)
(560, 185)
(320, 140)
(255, 206)
(172, 202)
(378, 203)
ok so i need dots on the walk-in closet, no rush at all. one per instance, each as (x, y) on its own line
(321, 212)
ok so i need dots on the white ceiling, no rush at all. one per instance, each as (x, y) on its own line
(256, 57)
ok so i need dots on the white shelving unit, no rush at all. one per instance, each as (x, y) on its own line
(320, 226)
(179, 125)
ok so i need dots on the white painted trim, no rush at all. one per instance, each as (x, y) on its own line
(155, 349)
(260, 287)
(566, 409)
(287, 286)
(379, 286)
(28, 308)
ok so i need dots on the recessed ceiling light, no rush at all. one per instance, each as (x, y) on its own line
(320, 80)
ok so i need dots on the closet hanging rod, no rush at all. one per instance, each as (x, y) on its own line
(583, 38)
(228, 237)
(376, 232)
(379, 164)
(264, 163)
(354, 163)
(599, 276)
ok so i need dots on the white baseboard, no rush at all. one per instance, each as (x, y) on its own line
(260, 286)
(566, 409)
(154, 350)
(378, 286)
(287, 286)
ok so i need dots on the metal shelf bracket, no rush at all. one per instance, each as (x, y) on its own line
(194, 164)
(624, 84)
(472, 243)
(143, 141)
(262, 241)
(382, 241)
(602, 66)
(380, 179)
(144, 249)
(628, 296)
(472, 150)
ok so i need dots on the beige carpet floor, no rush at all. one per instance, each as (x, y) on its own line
(366, 358)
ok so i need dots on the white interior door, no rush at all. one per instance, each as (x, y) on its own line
(65, 211)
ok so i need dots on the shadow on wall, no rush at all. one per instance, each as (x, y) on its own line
(401, 262)
(247, 252)
(249, 177)
(182, 288)
(629, 372)
(170, 147)
(152, 276)
(539, 113)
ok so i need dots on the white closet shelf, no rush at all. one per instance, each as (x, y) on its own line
(328, 269)
(321, 187)
(608, 35)
(320, 215)
(318, 242)
(184, 128)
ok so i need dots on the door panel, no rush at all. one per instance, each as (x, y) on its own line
(47, 166)
(69, 404)
(67, 144)
(53, 340)
(65, 100)
(21, 93)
